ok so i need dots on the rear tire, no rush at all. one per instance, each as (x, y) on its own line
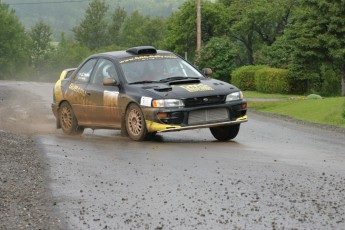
(68, 121)
(135, 123)
(225, 133)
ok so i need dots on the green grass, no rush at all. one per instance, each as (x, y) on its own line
(254, 94)
(324, 111)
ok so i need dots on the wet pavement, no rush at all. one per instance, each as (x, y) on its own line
(277, 174)
(273, 176)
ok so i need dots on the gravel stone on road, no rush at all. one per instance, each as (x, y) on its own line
(25, 200)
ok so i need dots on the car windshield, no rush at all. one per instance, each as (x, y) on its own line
(157, 68)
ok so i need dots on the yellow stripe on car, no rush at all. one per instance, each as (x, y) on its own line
(155, 127)
(242, 118)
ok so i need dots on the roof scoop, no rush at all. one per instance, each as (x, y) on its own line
(142, 50)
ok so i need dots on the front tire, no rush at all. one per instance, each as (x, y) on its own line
(68, 121)
(225, 133)
(135, 123)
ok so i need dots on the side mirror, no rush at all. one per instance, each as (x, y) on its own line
(207, 71)
(109, 82)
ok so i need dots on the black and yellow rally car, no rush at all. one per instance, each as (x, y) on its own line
(144, 91)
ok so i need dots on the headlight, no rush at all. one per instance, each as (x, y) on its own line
(163, 103)
(234, 96)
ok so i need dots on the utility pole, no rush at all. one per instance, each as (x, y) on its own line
(198, 28)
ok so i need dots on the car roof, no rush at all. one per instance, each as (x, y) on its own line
(132, 52)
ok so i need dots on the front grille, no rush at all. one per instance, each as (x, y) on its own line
(196, 101)
(208, 116)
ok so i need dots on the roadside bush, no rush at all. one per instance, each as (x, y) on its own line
(244, 77)
(272, 80)
(331, 82)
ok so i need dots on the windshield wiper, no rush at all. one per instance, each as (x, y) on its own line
(142, 82)
(177, 78)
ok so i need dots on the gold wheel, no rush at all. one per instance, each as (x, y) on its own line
(135, 123)
(68, 121)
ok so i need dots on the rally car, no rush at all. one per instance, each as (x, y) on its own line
(143, 91)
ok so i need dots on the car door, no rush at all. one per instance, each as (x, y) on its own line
(75, 91)
(101, 104)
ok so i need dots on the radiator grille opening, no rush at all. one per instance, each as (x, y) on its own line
(208, 115)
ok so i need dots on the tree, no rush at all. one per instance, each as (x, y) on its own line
(221, 56)
(319, 39)
(14, 51)
(181, 26)
(40, 36)
(92, 31)
(139, 30)
(153, 31)
(118, 18)
(67, 54)
(278, 55)
(257, 23)
(131, 32)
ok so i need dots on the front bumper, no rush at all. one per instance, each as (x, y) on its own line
(195, 117)
(159, 127)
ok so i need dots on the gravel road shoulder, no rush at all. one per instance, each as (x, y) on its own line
(25, 199)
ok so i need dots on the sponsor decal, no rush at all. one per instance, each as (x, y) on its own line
(77, 89)
(196, 87)
(110, 98)
(146, 101)
(147, 57)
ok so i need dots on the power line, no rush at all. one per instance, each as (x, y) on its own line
(54, 2)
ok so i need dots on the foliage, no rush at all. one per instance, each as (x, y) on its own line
(259, 23)
(117, 19)
(330, 84)
(244, 77)
(180, 34)
(40, 36)
(304, 36)
(318, 37)
(277, 55)
(272, 80)
(220, 55)
(14, 44)
(67, 54)
(92, 31)
(139, 30)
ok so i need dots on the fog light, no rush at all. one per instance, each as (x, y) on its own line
(244, 106)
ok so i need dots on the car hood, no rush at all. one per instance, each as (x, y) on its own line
(190, 88)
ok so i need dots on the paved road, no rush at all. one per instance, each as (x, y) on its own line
(276, 174)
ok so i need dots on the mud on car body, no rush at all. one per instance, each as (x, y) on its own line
(144, 91)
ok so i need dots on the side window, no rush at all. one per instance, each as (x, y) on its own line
(84, 73)
(69, 73)
(103, 70)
